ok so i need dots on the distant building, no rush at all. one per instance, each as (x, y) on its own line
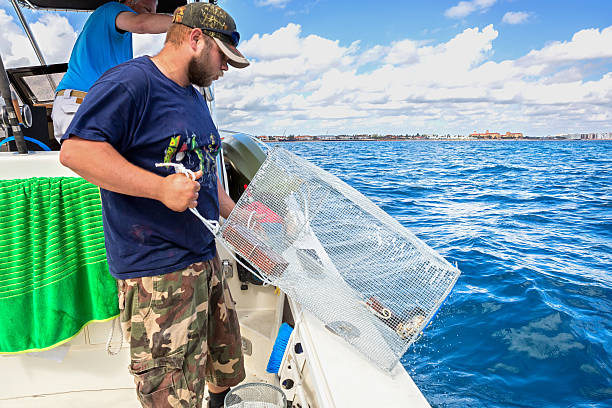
(567, 136)
(584, 136)
(495, 135)
(510, 135)
(486, 135)
(605, 135)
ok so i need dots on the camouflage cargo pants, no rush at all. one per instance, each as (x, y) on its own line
(183, 330)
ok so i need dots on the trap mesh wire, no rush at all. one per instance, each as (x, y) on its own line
(341, 257)
(255, 395)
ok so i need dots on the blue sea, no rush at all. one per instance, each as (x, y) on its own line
(529, 224)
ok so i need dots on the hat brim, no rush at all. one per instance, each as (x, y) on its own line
(234, 57)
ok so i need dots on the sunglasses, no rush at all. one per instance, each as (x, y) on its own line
(233, 36)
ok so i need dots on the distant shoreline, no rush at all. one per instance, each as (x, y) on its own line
(525, 139)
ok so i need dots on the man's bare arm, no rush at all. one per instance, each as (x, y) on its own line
(100, 164)
(226, 204)
(144, 23)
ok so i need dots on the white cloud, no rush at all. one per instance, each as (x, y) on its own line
(147, 44)
(285, 54)
(402, 52)
(515, 17)
(465, 8)
(54, 34)
(273, 3)
(310, 84)
(585, 45)
(55, 37)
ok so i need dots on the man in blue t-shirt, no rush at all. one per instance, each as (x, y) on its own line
(175, 307)
(106, 41)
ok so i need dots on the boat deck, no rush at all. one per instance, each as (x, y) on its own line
(54, 382)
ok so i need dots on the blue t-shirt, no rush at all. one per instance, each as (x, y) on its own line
(150, 119)
(99, 47)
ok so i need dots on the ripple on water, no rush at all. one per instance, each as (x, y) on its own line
(530, 226)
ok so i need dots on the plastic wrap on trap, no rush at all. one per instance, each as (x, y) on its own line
(341, 257)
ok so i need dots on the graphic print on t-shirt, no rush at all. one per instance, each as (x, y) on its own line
(193, 155)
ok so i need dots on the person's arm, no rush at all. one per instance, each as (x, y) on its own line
(226, 204)
(100, 164)
(144, 23)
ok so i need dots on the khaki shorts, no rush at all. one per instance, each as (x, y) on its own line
(183, 330)
(64, 109)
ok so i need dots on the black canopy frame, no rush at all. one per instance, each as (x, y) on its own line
(163, 6)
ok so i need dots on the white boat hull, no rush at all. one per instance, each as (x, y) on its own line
(327, 374)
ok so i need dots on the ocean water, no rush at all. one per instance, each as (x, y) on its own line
(529, 323)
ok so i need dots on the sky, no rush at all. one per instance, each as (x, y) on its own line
(398, 67)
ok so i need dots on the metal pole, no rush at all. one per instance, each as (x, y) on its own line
(26, 27)
(5, 91)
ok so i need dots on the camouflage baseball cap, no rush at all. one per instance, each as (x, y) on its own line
(218, 24)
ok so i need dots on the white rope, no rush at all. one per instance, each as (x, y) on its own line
(265, 281)
(109, 349)
(251, 219)
(212, 225)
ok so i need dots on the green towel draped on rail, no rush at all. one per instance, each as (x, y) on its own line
(53, 273)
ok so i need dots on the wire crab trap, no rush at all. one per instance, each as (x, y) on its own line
(255, 395)
(331, 249)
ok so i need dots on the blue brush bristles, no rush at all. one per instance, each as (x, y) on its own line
(278, 351)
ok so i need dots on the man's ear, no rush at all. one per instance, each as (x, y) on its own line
(195, 37)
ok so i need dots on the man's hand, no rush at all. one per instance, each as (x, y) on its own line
(179, 192)
(100, 164)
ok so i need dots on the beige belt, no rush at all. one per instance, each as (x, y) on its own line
(78, 94)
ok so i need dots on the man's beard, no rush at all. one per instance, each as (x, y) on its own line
(199, 74)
